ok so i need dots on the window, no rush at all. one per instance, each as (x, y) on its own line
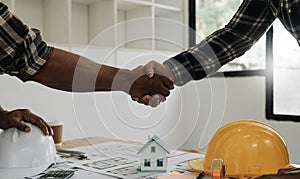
(153, 149)
(283, 96)
(160, 162)
(206, 16)
(147, 162)
(281, 52)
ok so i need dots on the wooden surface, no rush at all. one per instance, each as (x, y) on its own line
(69, 144)
(88, 141)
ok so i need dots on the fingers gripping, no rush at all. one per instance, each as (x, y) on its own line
(36, 120)
(156, 100)
(168, 83)
(15, 122)
(17, 117)
(159, 83)
(149, 68)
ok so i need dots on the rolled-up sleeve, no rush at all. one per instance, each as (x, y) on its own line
(248, 24)
(22, 50)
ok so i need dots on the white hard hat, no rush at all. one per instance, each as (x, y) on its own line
(25, 154)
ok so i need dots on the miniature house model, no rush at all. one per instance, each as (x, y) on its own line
(154, 155)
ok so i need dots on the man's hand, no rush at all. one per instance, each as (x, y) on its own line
(143, 87)
(154, 67)
(150, 69)
(16, 118)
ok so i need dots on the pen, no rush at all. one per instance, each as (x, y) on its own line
(201, 175)
(70, 152)
(78, 154)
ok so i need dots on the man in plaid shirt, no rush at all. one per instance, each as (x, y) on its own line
(249, 23)
(25, 55)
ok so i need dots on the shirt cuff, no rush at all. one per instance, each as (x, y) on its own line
(34, 55)
(181, 74)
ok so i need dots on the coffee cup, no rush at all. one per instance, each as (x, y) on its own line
(57, 127)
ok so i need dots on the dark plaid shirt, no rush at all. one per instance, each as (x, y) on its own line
(22, 50)
(249, 23)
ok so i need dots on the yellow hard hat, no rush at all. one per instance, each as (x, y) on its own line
(248, 148)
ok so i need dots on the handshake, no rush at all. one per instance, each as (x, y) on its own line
(149, 84)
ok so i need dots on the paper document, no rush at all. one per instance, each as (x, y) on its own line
(119, 160)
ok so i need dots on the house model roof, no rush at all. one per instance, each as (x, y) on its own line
(157, 140)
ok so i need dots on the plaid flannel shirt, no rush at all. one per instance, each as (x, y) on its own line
(22, 50)
(249, 23)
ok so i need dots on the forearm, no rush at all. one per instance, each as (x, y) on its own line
(248, 24)
(70, 72)
(208, 56)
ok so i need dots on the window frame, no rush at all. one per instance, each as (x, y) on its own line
(267, 72)
(153, 149)
(160, 161)
(147, 162)
(270, 115)
(192, 42)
